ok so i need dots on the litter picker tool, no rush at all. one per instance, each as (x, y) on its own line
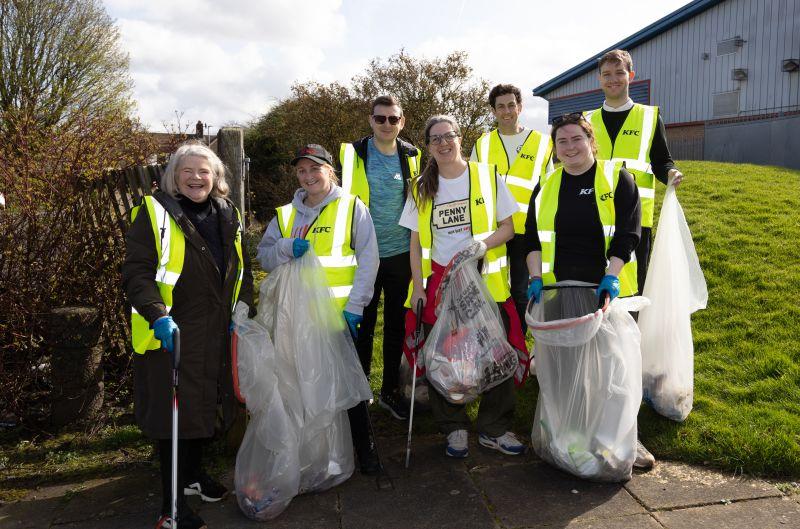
(176, 359)
(417, 340)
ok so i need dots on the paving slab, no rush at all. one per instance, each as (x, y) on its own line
(440, 500)
(637, 521)
(770, 513)
(308, 511)
(672, 485)
(30, 513)
(116, 496)
(537, 495)
(124, 521)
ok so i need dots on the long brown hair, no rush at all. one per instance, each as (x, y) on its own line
(427, 184)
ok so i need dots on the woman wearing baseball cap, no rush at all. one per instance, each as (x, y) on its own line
(339, 227)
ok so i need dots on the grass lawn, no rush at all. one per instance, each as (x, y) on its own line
(745, 220)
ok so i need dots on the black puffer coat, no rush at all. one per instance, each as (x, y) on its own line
(201, 309)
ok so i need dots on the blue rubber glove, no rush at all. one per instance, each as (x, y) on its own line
(163, 328)
(535, 289)
(353, 320)
(299, 247)
(609, 284)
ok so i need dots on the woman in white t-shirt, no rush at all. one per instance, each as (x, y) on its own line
(447, 201)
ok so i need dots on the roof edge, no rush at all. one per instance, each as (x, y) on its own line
(640, 37)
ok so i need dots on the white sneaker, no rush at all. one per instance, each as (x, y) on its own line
(457, 444)
(506, 443)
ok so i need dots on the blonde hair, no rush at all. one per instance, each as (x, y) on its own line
(169, 183)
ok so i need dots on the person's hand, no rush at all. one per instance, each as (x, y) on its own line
(608, 285)
(299, 247)
(535, 289)
(163, 329)
(416, 296)
(676, 176)
(353, 320)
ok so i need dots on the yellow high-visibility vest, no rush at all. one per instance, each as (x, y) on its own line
(329, 234)
(170, 246)
(483, 220)
(631, 146)
(528, 168)
(354, 171)
(606, 178)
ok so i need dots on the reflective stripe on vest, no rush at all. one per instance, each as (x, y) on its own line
(483, 192)
(605, 179)
(354, 171)
(170, 245)
(632, 148)
(329, 234)
(527, 169)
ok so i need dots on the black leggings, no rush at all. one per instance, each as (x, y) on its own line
(190, 454)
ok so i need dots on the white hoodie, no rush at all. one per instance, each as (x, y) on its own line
(275, 250)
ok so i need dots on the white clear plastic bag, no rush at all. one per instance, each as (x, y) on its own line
(676, 288)
(467, 352)
(589, 370)
(298, 372)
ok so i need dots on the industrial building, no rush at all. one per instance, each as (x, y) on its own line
(725, 74)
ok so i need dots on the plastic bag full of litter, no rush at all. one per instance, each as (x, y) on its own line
(676, 288)
(297, 390)
(467, 352)
(589, 371)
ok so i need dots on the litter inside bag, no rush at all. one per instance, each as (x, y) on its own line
(467, 352)
(589, 371)
(676, 288)
(298, 373)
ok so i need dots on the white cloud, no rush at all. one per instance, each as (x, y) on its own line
(227, 61)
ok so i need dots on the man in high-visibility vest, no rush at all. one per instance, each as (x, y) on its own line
(523, 158)
(379, 169)
(633, 133)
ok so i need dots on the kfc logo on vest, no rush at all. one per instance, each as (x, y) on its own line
(630, 132)
(321, 229)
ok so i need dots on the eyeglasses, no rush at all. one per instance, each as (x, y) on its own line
(380, 120)
(449, 137)
(573, 117)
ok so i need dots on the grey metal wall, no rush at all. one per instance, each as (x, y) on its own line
(772, 142)
(683, 83)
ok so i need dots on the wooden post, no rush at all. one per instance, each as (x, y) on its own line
(230, 147)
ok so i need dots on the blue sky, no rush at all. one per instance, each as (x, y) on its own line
(227, 61)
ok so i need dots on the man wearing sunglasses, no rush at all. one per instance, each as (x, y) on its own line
(522, 157)
(633, 133)
(379, 168)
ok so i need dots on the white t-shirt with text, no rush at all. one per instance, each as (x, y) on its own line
(450, 218)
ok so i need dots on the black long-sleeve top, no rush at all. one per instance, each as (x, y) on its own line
(660, 159)
(580, 243)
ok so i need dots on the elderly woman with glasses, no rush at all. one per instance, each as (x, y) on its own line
(587, 223)
(452, 204)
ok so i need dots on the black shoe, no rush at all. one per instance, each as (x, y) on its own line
(396, 405)
(206, 487)
(368, 461)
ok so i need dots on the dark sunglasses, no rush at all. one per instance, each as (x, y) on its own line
(572, 117)
(380, 120)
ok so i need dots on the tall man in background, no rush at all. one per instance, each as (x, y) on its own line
(522, 156)
(633, 133)
(379, 169)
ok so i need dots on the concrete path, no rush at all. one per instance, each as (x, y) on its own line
(485, 491)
